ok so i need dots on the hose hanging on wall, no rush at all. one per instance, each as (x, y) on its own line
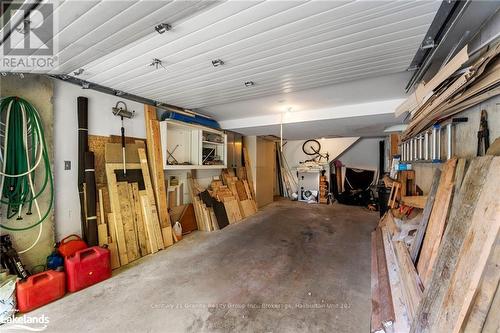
(23, 152)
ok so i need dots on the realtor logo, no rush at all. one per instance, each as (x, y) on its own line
(28, 36)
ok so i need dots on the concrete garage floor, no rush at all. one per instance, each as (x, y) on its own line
(292, 267)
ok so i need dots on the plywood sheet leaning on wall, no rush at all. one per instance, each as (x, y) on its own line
(476, 180)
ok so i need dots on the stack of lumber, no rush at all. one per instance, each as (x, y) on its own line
(466, 80)
(227, 200)
(205, 216)
(241, 189)
(447, 280)
(128, 217)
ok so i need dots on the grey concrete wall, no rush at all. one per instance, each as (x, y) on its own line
(38, 90)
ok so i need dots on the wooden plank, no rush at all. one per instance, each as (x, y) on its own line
(248, 169)
(115, 251)
(419, 236)
(492, 322)
(401, 320)
(240, 189)
(233, 211)
(386, 308)
(459, 223)
(410, 281)
(437, 221)
(142, 236)
(486, 293)
(149, 220)
(476, 249)
(102, 234)
(128, 221)
(119, 234)
(155, 159)
(376, 323)
(150, 193)
(417, 201)
(247, 208)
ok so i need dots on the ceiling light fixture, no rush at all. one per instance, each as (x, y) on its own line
(162, 28)
(85, 85)
(217, 62)
(249, 83)
(78, 72)
(157, 63)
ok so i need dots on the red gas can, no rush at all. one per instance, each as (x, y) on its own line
(87, 267)
(40, 289)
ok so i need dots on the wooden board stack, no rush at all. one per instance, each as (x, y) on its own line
(132, 229)
(452, 283)
(462, 83)
(232, 192)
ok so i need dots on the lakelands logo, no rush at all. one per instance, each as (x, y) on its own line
(26, 323)
(28, 36)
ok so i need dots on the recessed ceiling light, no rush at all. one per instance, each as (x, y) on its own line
(217, 62)
(78, 72)
(163, 27)
(249, 83)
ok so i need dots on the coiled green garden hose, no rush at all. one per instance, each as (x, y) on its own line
(23, 150)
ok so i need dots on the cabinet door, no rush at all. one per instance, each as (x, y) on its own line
(238, 150)
(230, 150)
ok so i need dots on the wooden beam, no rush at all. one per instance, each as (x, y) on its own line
(118, 233)
(410, 281)
(150, 192)
(401, 321)
(155, 159)
(419, 236)
(437, 221)
(386, 307)
(483, 301)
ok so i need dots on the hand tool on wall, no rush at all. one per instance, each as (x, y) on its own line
(483, 135)
(171, 156)
(123, 112)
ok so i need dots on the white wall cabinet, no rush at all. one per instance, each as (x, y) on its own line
(188, 146)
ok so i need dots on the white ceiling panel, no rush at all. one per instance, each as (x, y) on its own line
(268, 43)
(282, 46)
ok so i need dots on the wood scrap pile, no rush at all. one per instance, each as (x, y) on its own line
(466, 80)
(227, 200)
(445, 277)
(129, 223)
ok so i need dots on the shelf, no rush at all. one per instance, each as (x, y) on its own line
(213, 143)
(194, 167)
